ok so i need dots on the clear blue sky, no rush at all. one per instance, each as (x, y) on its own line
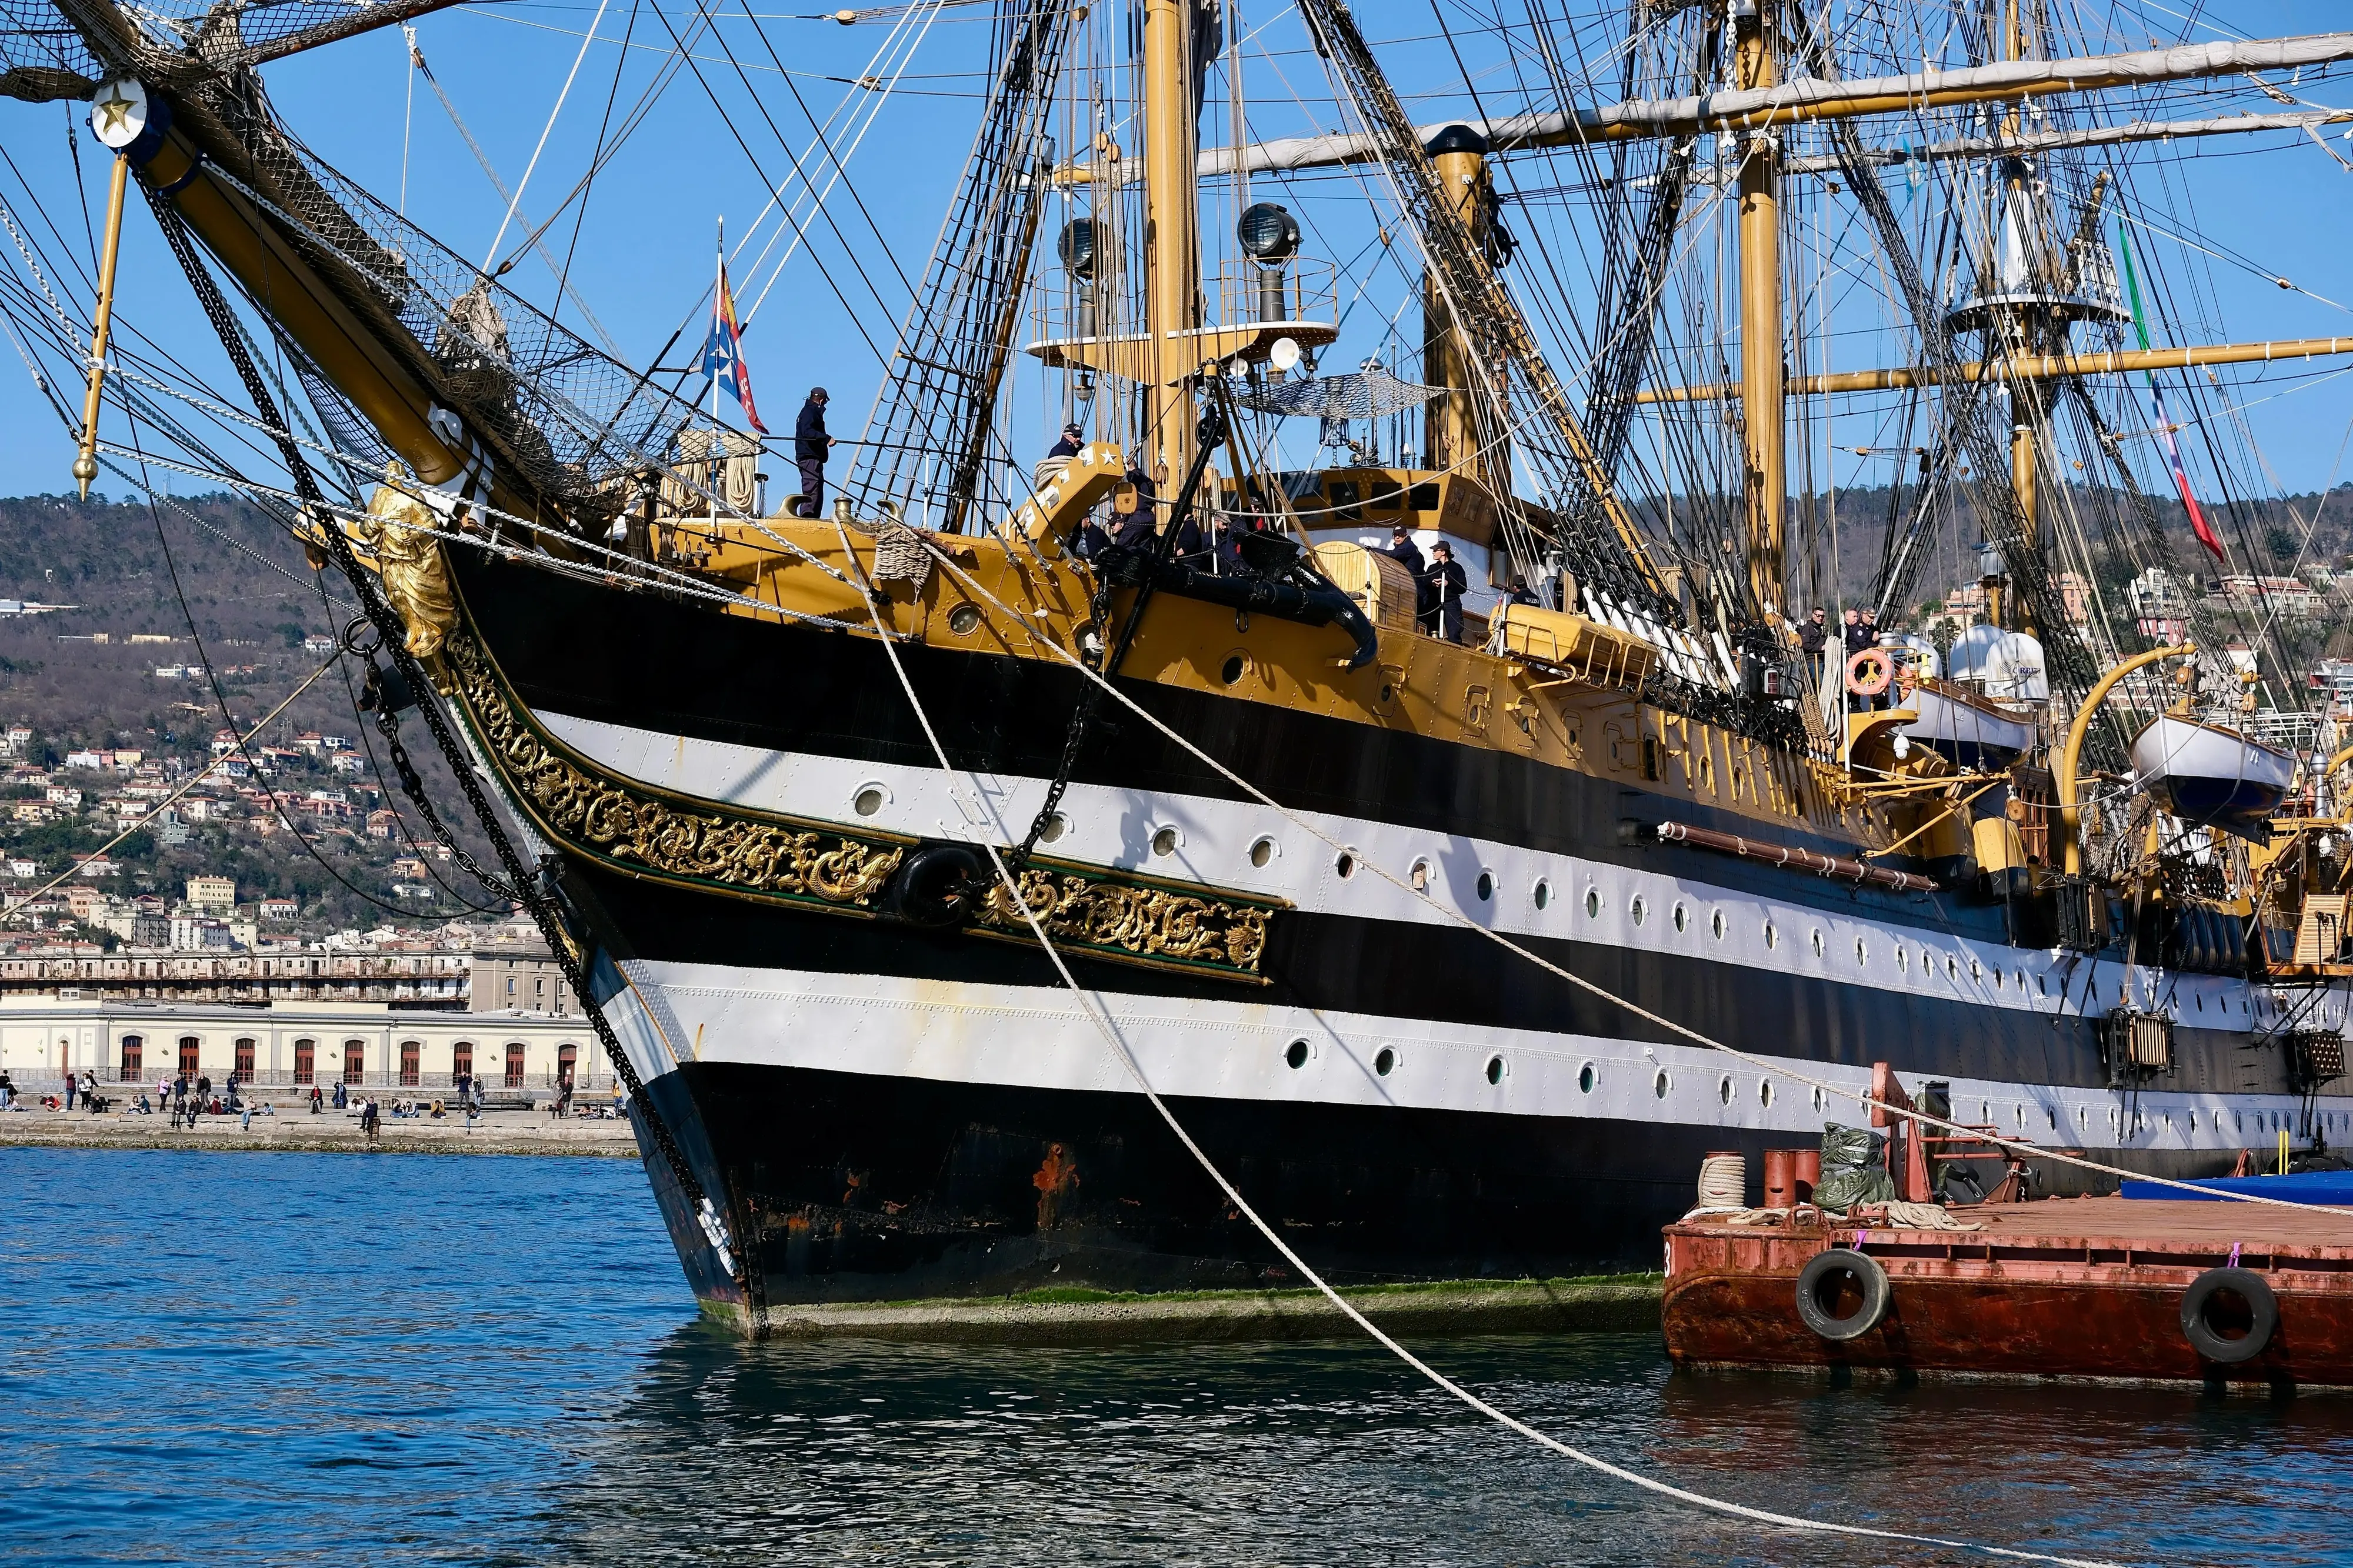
(645, 254)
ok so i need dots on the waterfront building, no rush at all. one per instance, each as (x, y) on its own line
(286, 1047)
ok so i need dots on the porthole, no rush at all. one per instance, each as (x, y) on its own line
(2018, 1115)
(1593, 903)
(1952, 968)
(1724, 1089)
(1819, 1099)
(1298, 1053)
(1261, 852)
(869, 799)
(1385, 1061)
(1903, 960)
(1231, 670)
(1056, 826)
(1418, 877)
(1861, 953)
(1997, 976)
(1985, 1113)
(1543, 894)
(1496, 1068)
(2051, 1115)
(2040, 988)
(2201, 999)
(1715, 923)
(1818, 942)
(2020, 975)
(1765, 1093)
(1772, 937)
(1343, 866)
(2082, 1118)
(1638, 911)
(1683, 918)
(1587, 1076)
(1165, 840)
(1662, 1083)
(1977, 974)
(1486, 886)
(965, 620)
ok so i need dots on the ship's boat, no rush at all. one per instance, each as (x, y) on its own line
(2212, 776)
(917, 856)
(1977, 733)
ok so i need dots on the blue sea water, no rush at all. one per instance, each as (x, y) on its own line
(230, 1359)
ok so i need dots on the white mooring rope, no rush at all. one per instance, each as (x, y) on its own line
(1105, 1024)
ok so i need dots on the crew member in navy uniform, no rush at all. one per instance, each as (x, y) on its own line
(811, 447)
(1447, 582)
(1073, 437)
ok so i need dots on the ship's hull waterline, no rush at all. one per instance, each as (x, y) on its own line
(888, 1112)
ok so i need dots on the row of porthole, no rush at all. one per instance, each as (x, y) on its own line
(871, 799)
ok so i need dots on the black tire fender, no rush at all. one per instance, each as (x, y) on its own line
(2263, 1308)
(1820, 1276)
(932, 888)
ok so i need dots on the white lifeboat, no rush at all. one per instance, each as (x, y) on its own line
(2214, 777)
(1976, 734)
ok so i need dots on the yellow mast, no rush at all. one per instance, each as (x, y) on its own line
(1172, 235)
(1762, 368)
(1450, 424)
(2025, 399)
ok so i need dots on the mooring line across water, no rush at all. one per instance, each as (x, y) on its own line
(1099, 1016)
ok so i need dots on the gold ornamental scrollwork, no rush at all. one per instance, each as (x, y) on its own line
(630, 826)
(1095, 913)
(1111, 919)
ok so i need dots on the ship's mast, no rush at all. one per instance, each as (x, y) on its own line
(1762, 368)
(1172, 240)
(1451, 426)
(2026, 408)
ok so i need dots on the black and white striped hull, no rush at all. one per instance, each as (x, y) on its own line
(893, 1112)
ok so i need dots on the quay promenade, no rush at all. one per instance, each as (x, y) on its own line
(293, 1129)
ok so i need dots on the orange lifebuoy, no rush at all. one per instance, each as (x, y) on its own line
(1868, 671)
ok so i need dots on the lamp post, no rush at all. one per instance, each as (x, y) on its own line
(2062, 771)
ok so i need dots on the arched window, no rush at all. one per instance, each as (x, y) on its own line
(354, 1061)
(245, 1059)
(188, 1055)
(514, 1063)
(411, 1053)
(134, 1059)
(567, 1062)
(306, 1059)
(461, 1062)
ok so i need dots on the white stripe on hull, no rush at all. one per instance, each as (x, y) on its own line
(1027, 1037)
(1117, 826)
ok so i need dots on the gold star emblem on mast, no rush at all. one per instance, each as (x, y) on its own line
(115, 112)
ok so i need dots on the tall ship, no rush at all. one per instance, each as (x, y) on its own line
(1408, 751)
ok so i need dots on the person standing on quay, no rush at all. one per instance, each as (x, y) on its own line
(811, 447)
(70, 1089)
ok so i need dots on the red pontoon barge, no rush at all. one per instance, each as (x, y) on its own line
(2096, 1287)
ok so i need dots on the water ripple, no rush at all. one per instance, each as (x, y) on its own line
(287, 1359)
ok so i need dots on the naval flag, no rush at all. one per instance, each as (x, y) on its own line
(723, 357)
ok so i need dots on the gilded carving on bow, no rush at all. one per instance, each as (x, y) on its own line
(1149, 923)
(399, 530)
(629, 826)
